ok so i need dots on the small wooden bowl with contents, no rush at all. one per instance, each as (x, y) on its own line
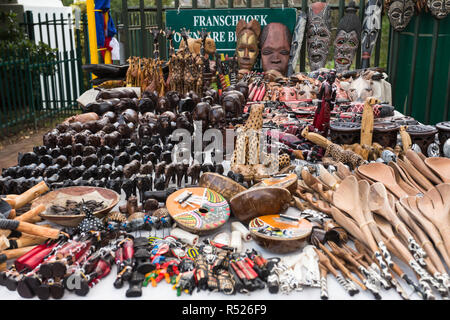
(63, 206)
(280, 233)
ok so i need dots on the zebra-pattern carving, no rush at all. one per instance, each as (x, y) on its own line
(323, 288)
(425, 276)
(372, 288)
(417, 251)
(417, 289)
(345, 284)
(386, 254)
(427, 292)
(384, 268)
(399, 289)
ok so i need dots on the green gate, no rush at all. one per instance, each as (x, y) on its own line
(420, 69)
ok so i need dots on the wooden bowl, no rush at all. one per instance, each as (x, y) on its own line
(287, 181)
(261, 201)
(278, 234)
(59, 197)
(223, 185)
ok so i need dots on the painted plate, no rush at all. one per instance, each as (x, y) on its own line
(208, 210)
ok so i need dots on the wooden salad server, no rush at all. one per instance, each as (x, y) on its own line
(327, 178)
(419, 181)
(441, 274)
(402, 180)
(346, 198)
(420, 165)
(382, 173)
(410, 204)
(404, 254)
(435, 206)
(441, 166)
(364, 190)
(379, 203)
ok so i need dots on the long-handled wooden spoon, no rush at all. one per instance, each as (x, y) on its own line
(441, 274)
(435, 205)
(382, 173)
(364, 190)
(379, 203)
(422, 167)
(403, 252)
(402, 180)
(346, 198)
(409, 170)
(410, 204)
(441, 166)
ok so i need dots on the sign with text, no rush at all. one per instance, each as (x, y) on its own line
(221, 23)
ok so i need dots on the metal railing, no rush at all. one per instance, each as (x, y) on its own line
(37, 88)
(138, 41)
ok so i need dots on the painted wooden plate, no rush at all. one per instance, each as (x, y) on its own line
(278, 234)
(208, 211)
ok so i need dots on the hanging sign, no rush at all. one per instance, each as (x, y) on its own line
(221, 23)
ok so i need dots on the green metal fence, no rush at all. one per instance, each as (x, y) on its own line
(36, 89)
(137, 39)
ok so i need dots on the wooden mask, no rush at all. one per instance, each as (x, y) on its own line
(400, 13)
(347, 39)
(247, 44)
(318, 34)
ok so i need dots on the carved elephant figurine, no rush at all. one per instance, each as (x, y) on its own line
(201, 113)
(160, 168)
(217, 119)
(181, 171)
(194, 172)
(174, 99)
(184, 121)
(163, 105)
(232, 103)
(170, 173)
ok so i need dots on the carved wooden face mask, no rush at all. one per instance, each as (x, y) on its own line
(288, 94)
(439, 8)
(275, 47)
(247, 43)
(318, 35)
(347, 39)
(371, 28)
(400, 13)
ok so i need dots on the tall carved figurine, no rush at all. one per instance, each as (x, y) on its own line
(318, 34)
(400, 13)
(371, 28)
(275, 44)
(347, 39)
(327, 97)
(247, 44)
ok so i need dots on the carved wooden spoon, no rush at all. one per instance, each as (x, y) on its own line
(379, 203)
(441, 273)
(364, 190)
(410, 204)
(435, 205)
(404, 254)
(346, 198)
(422, 167)
(402, 180)
(441, 166)
(382, 173)
(414, 176)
